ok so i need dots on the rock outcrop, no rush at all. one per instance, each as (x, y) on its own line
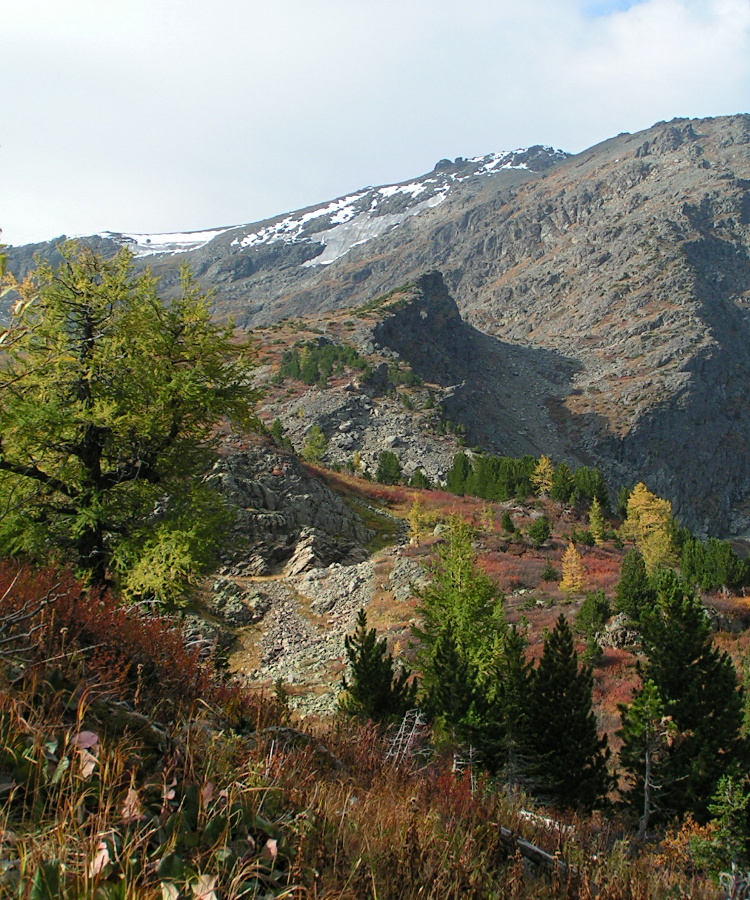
(283, 513)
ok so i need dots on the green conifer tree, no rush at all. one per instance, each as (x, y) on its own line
(389, 468)
(646, 732)
(376, 691)
(458, 474)
(699, 687)
(633, 593)
(315, 446)
(562, 484)
(570, 759)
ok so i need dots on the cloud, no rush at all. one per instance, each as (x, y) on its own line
(179, 114)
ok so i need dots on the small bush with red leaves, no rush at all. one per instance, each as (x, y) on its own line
(115, 650)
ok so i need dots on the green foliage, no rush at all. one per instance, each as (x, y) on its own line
(420, 480)
(539, 531)
(389, 468)
(582, 536)
(593, 614)
(500, 478)
(597, 525)
(622, 501)
(699, 688)
(646, 734)
(563, 487)
(316, 361)
(549, 572)
(108, 398)
(375, 691)
(730, 811)
(588, 484)
(713, 564)
(569, 758)
(315, 446)
(463, 600)
(279, 435)
(634, 592)
(458, 474)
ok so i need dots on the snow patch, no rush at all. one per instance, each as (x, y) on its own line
(171, 242)
(364, 227)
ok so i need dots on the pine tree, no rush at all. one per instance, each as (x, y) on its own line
(570, 759)
(539, 531)
(420, 480)
(633, 593)
(597, 525)
(574, 574)
(699, 688)
(315, 446)
(376, 691)
(562, 484)
(646, 733)
(649, 523)
(389, 468)
(451, 688)
(458, 474)
(588, 484)
(512, 696)
(108, 400)
(543, 476)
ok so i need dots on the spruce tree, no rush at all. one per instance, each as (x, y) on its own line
(570, 759)
(376, 691)
(389, 468)
(633, 593)
(699, 687)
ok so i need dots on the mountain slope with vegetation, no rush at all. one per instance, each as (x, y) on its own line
(627, 265)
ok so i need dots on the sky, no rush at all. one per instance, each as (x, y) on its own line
(154, 116)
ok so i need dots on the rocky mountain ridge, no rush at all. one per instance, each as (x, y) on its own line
(625, 269)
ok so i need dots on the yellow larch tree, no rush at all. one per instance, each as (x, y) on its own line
(574, 573)
(543, 476)
(649, 525)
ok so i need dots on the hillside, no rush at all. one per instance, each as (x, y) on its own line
(622, 273)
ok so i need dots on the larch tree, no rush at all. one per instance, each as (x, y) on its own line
(543, 476)
(573, 572)
(597, 525)
(108, 400)
(649, 524)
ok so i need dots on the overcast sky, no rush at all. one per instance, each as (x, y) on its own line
(178, 115)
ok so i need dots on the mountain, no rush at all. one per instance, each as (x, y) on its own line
(624, 270)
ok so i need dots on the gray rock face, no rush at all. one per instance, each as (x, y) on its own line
(236, 606)
(282, 512)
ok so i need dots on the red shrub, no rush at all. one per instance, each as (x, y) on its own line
(115, 650)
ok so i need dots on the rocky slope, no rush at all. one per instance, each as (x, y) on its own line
(624, 270)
